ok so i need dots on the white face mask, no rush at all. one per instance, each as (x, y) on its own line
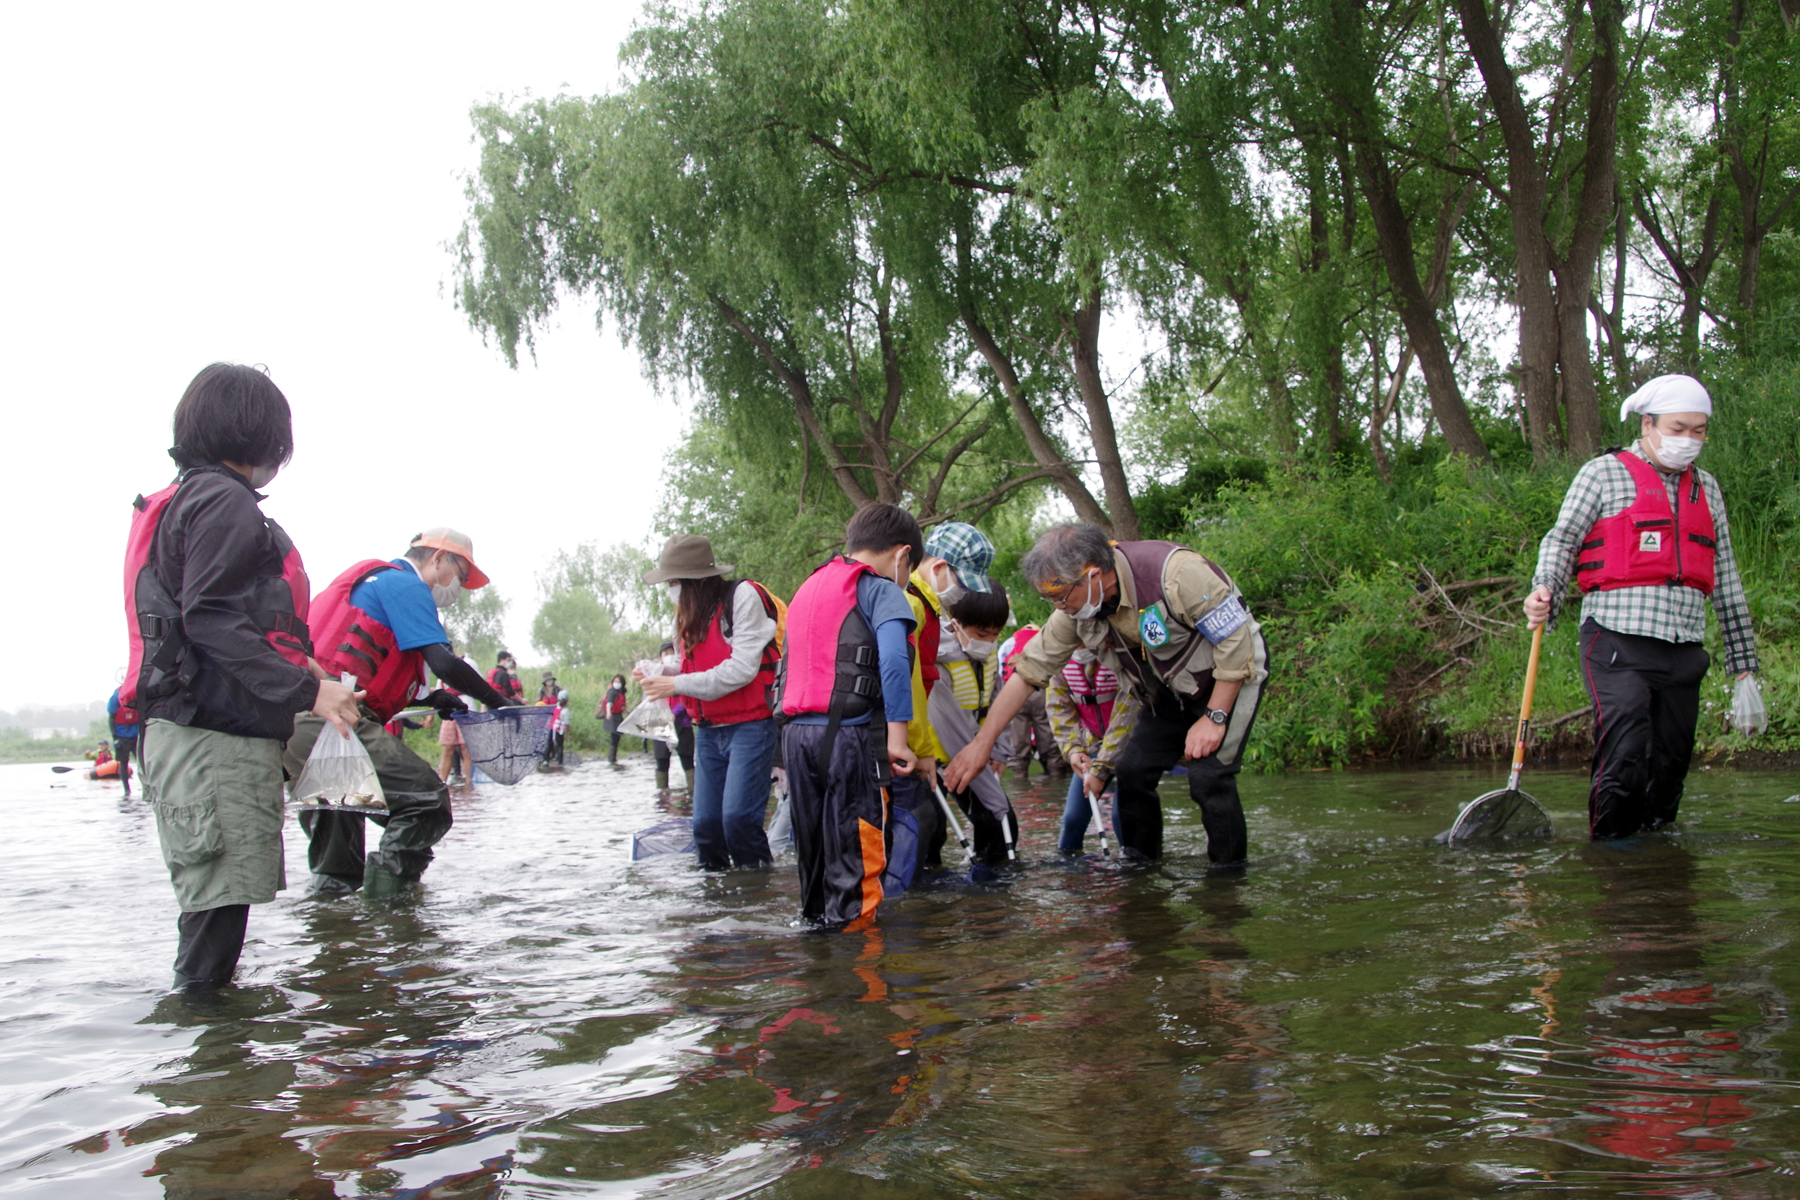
(903, 569)
(979, 650)
(1091, 609)
(674, 591)
(445, 595)
(260, 476)
(947, 586)
(1084, 656)
(671, 661)
(1678, 453)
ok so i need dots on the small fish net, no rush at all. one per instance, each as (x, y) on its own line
(1505, 815)
(508, 743)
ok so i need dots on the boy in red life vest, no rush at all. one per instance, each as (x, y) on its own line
(505, 680)
(379, 622)
(1644, 534)
(729, 649)
(847, 697)
(1091, 718)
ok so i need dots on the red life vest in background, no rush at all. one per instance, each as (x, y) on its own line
(126, 715)
(750, 702)
(514, 690)
(1094, 698)
(349, 639)
(1647, 544)
(1021, 638)
(159, 663)
(831, 655)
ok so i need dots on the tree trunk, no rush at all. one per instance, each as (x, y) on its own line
(1393, 233)
(1526, 198)
(1084, 324)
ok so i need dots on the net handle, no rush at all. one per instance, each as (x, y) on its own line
(1531, 669)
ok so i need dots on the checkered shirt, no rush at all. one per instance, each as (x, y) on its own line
(1672, 613)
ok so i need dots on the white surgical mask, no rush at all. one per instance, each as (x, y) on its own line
(260, 476)
(1679, 453)
(1091, 608)
(1084, 656)
(674, 591)
(445, 595)
(979, 650)
(903, 569)
(672, 661)
(947, 586)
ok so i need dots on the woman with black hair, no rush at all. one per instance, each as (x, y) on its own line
(216, 602)
(726, 631)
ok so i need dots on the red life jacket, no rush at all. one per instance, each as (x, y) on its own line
(1647, 545)
(1021, 638)
(831, 664)
(925, 639)
(1094, 698)
(349, 639)
(514, 690)
(750, 702)
(159, 664)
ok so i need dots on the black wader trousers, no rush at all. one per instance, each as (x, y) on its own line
(210, 942)
(840, 821)
(417, 818)
(1646, 695)
(1157, 743)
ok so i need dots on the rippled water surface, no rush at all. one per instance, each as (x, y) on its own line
(1361, 1014)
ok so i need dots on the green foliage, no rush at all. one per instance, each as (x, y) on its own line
(477, 625)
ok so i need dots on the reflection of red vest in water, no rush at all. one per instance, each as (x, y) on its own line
(750, 702)
(1648, 544)
(159, 664)
(349, 639)
(831, 653)
(1093, 697)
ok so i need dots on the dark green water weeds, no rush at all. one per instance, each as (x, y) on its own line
(1361, 1014)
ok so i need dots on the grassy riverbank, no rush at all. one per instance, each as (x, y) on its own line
(1392, 610)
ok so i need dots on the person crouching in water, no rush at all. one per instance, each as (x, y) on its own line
(968, 681)
(726, 631)
(1174, 628)
(378, 621)
(846, 695)
(1644, 533)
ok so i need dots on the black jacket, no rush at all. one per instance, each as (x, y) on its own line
(214, 551)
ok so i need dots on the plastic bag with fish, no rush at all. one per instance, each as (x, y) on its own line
(339, 771)
(652, 719)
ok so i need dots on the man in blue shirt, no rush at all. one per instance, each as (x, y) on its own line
(124, 722)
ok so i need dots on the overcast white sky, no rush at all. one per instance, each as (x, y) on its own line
(190, 182)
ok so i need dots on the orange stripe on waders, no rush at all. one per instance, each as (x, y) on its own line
(874, 857)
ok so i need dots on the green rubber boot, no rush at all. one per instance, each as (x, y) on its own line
(662, 781)
(379, 883)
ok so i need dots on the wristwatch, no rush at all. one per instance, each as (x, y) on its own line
(1217, 716)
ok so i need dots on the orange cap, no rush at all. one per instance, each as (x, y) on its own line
(442, 537)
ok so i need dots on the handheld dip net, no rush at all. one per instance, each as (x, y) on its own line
(1508, 813)
(508, 743)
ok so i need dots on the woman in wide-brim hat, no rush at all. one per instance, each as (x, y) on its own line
(726, 637)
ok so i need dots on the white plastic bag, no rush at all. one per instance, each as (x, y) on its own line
(652, 719)
(339, 771)
(1748, 715)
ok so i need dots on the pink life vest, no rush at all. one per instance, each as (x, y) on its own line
(831, 664)
(1647, 544)
(159, 664)
(1094, 698)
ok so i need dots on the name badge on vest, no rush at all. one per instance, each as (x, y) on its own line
(1224, 620)
(1650, 541)
(1152, 629)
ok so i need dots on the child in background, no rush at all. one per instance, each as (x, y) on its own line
(959, 704)
(559, 728)
(1091, 718)
(847, 696)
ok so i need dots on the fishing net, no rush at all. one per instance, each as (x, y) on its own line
(674, 836)
(1497, 816)
(339, 771)
(508, 743)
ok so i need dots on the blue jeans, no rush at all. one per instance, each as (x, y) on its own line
(731, 793)
(1076, 815)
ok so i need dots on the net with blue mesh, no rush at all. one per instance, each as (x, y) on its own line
(508, 743)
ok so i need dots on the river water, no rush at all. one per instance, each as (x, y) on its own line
(1361, 1014)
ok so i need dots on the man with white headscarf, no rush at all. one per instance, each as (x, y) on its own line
(1643, 533)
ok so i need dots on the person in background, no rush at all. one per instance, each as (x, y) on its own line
(847, 694)
(216, 603)
(1030, 732)
(970, 678)
(378, 621)
(504, 678)
(100, 755)
(684, 728)
(451, 747)
(559, 729)
(124, 724)
(1172, 626)
(726, 630)
(610, 712)
(1091, 718)
(548, 688)
(1643, 532)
